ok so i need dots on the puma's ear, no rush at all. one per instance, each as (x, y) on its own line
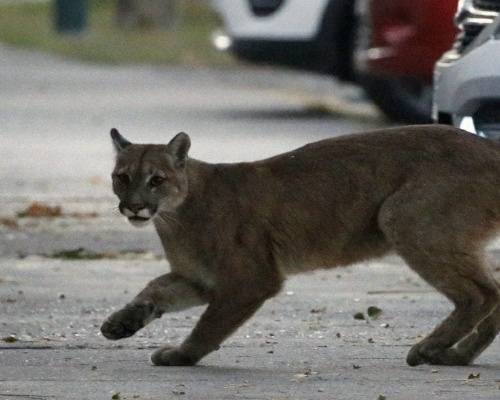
(178, 148)
(119, 141)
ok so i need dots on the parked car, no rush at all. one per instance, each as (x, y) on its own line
(317, 37)
(467, 77)
(394, 52)
(398, 44)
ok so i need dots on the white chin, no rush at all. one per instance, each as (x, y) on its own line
(140, 223)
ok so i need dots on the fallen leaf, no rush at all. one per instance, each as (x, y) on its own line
(83, 215)
(9, 222)
(318, 310)
(10, 339)
(359, 315)
(38, 210)
(474, 376)
(373, 312)
(116, 396)
(95, 180)
(75, 254)
(84, 254)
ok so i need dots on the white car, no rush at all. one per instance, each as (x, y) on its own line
(467, 78)
(316, 35)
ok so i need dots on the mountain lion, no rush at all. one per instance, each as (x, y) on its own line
(232, 232)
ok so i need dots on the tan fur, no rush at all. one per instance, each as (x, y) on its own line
(232, 232)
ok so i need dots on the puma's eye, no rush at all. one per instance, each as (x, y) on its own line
(123, 178)
(156, 181)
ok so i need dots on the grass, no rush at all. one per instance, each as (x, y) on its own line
(31, 25)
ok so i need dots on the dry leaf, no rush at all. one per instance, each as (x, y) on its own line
(359, 315)
(10, 339)
(373, 312)
(84, 215)
(38, 210)
(9, 222)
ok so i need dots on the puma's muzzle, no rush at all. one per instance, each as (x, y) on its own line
(138, 215)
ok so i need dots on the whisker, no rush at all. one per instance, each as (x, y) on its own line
(113, 211)
(167, 218)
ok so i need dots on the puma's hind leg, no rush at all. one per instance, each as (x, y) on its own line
(167, 293)
(444, 246)
(467, 331)
(467, 349)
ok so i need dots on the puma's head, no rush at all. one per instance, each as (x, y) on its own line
(149, 179)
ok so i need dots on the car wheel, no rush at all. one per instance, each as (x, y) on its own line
(401, 99)
(337, 38)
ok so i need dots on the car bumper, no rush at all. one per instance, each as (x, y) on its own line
(467, 87)
(408, 60)
(297, 54)
(292, 21)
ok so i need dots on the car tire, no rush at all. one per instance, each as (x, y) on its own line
(337, 37)
(401, 99)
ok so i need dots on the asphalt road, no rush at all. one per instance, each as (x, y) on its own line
(304, 344)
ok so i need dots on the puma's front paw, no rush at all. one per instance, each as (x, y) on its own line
(416, 356)
(126, 322)
(171, 356)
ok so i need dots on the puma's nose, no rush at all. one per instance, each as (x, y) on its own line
(134, 210)
(136, 207)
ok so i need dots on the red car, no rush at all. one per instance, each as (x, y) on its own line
(398, 43)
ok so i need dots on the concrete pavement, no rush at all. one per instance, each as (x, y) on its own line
(303, 344)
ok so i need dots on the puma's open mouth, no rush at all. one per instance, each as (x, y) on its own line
(136, 218)
(138, 221)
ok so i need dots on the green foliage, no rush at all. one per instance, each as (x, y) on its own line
(187, 43)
